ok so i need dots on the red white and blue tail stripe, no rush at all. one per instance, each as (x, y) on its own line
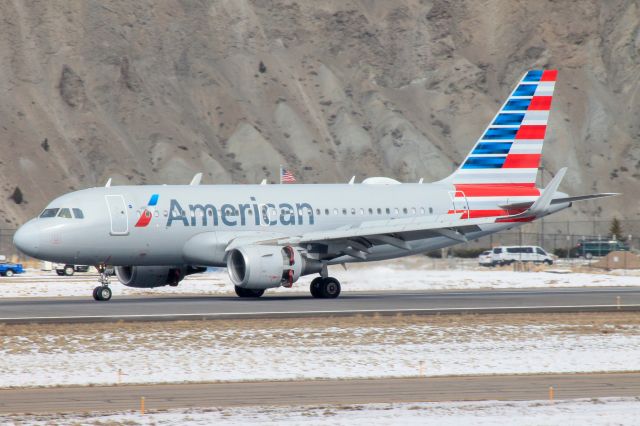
(510, 148)
(499, 174)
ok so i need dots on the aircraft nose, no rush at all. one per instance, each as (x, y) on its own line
(27, 239)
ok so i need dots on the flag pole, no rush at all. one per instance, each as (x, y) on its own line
(280, 174)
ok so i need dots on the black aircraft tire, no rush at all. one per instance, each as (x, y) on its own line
(96, 296)
(248, 292)
(316, 287)
(104, 293)
(330, 288)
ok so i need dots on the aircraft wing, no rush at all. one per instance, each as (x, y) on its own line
(391, 231)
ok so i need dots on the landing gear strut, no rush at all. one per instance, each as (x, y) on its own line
(102, 293)
(325, 288)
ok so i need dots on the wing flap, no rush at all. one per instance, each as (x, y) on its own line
(374, 229)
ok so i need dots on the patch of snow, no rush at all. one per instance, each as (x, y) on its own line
(209, 354)
(379, 277)
(601, 411)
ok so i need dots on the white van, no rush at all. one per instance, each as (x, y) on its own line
(506, 255)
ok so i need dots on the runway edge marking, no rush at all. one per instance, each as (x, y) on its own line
(310, 314)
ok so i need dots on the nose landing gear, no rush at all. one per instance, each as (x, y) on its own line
(102, 293)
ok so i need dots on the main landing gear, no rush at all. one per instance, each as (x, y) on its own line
(102, 293)
(325, 288)
(249, 292)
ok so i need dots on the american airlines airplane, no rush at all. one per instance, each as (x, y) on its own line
(270, 235)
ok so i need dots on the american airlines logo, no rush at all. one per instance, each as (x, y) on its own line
(145, 216)
(267, 214)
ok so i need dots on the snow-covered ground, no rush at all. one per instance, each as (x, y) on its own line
(380, 276)
(309, 349)
(604, 411)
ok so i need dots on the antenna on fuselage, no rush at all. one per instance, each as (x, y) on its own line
(196, 179)
(353, 179)
(421, 180)
(264, 182)
(108, 184)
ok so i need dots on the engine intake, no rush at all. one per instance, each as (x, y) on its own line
(261, 267)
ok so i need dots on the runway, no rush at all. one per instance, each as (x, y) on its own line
(170, 308)
(426, 389)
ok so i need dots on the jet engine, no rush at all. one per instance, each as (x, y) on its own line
(261, 267)
(153, 276)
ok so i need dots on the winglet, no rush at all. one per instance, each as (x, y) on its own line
(196, 179)
(544, 201)
(353, 179)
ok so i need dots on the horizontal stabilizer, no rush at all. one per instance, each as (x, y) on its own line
(583, 197)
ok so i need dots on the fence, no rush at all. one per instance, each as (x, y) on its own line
(559, 236)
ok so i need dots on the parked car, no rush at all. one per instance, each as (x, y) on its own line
(485, 258)
(66, 269)
(506, 255)
(590, 248)
(8, 269)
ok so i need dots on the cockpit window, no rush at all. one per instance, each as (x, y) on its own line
(49, 213)
(66, 213)
(78, 213)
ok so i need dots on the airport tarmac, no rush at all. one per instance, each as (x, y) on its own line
(180, 307)
(425, 389)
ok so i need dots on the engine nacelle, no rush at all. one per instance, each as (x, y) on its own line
(150, 276)
(260, 267)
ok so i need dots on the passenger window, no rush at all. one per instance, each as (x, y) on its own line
(361, 211)
(422, 210)
(353, 211)
(370, 211)
(388, 210)
(540, 251)
(413, 211)
(335, 212)
(404, 210)
(430, 210)
(49, 213)
(497, 250)
(318, 212)
(66, 213)
(344, 211)
(379, 210)
(78, 214)
(396, 211)
(326, 212)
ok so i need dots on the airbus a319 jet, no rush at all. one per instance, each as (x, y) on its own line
(270, 235)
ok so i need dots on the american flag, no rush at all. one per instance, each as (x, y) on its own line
(286, 176)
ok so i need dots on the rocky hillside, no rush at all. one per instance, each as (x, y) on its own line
(152, 92)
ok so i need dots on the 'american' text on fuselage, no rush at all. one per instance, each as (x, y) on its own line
(265, 214)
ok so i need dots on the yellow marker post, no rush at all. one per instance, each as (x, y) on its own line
(142, 405)
(551, 393)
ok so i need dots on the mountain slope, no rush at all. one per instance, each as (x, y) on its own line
(152, 92)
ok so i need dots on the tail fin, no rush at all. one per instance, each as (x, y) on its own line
(509, 150)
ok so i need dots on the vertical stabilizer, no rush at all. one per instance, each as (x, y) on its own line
(509, 150)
